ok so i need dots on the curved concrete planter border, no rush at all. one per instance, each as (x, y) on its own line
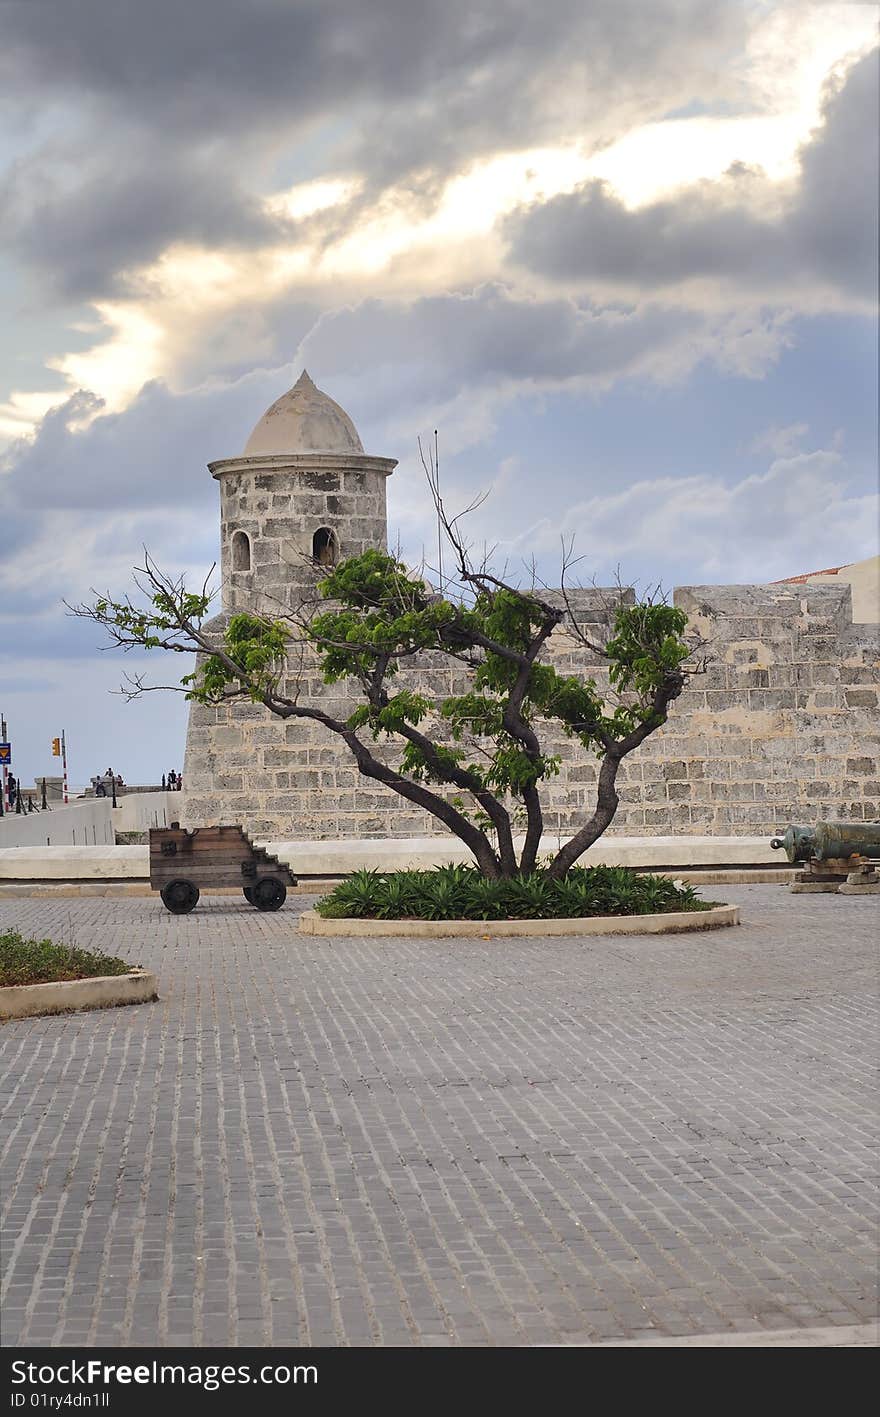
(673, 922)
(105, 991)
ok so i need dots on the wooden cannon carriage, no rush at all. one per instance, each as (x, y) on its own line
(184, 862)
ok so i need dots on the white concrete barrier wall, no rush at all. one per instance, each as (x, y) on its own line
(79, 824)
(93, 822)
(337, 858)
(328, 858)
(74, 863)
(138, 811)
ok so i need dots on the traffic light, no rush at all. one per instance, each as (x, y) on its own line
(56, 747)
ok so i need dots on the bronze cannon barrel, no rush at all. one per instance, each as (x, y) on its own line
(829, 841)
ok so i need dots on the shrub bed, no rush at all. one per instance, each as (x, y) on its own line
(42, 962)
(463, 893)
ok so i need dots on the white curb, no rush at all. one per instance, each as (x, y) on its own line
(103, 992)
(673, 922)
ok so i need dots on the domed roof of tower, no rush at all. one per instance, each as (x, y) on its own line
(304, 420)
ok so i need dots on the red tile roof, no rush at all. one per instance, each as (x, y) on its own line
(807, 575)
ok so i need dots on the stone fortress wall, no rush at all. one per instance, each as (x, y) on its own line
(783, 724)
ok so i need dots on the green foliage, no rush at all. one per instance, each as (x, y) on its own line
(575, 702)
(374, 581)
(149, 627)
(436, 766)
(382, 611)
(475, 714)
(42, 962)
(404, 707)
(463, 893)
(646, 644)
(257, 649)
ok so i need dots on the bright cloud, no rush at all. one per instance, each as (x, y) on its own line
(764, 527)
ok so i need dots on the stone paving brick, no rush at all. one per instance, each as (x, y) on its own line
(468, 1142)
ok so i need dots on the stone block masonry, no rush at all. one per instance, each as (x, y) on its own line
(277, 504)
(785, 711)
(783, 725)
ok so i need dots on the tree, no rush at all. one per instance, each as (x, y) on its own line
(372, 622)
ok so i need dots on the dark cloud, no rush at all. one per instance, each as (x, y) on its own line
(227, 346)
(826, 234)
(84, 230)
(183, 115)
(490, 335)
(152, 454)
(208, 67)
(463, 356)
(545, 72)
(835, 219)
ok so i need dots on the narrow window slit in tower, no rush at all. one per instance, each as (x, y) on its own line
(325, 546)
(241, 551)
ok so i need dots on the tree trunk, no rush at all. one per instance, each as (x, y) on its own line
(606, 805)
(532, 799)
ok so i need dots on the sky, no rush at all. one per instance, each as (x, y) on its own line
(622, 256)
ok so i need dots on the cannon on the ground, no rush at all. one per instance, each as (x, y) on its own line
(835, 855)
(183, 863)
(830, 841)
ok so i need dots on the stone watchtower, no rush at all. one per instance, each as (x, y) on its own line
(303, 491)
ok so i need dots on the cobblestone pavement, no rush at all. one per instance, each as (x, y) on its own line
(465, 1142)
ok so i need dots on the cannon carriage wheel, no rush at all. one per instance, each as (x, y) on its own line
(180, 897)
(267, 894)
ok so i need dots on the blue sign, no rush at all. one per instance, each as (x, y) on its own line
(5, 755)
